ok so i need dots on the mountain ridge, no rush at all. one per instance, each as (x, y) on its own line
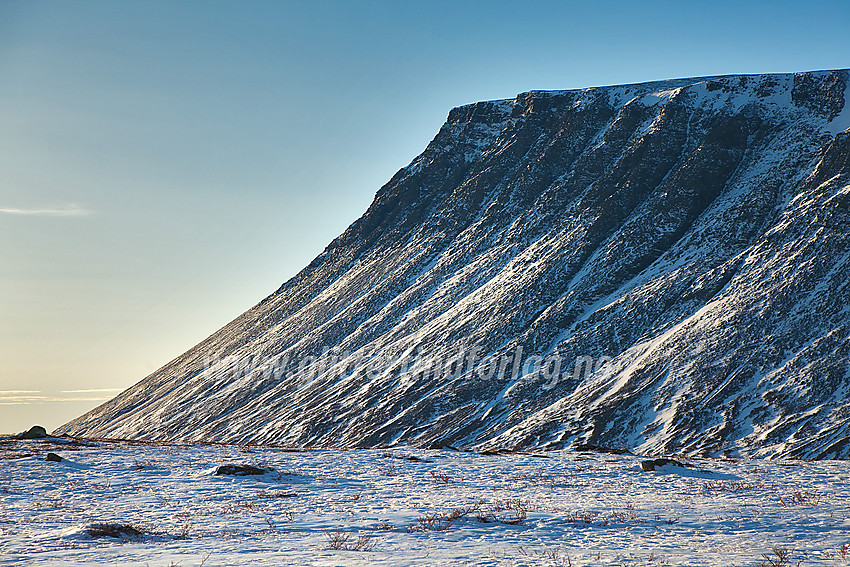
(606, 223)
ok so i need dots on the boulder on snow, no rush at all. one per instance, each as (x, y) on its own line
(54, 457)
(34, 432)
(242, 470)
(653, 464)
(118, 531)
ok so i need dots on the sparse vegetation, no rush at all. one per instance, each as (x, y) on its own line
(388, 470)
(615, 516)
(550, 556)
(185, 524)
(715, 487)
(340, 540)
(276, 494)
(141, 465)
(441, 521)
(538, 477)
(651, 559)
(509, 512)
(242, 506)
(778, 557)
(801, 498)
(440, 477)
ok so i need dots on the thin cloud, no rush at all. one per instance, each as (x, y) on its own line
(93, 390)
(66, 211)
(35, 400)
(78, 399)
(20, 399)
(33, 397)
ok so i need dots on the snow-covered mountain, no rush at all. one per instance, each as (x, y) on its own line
(674, 255)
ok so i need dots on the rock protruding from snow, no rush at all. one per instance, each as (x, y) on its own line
(34, 432)
(242, 470)
(654, 464)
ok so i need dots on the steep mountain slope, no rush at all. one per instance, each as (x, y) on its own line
(680, 248)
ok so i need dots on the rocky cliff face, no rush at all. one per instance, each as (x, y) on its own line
(661, 266)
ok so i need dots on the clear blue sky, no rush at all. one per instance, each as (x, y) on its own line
(165, 165)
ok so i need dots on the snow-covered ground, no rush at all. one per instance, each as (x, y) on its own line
(413, 507)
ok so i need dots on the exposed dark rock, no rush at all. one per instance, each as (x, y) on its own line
(118, 531)
(411, 458)
(819, 95)
(242, 470)
(440, 445)
(34, 432)
(653, 464)
(589, 447)
(54, 457)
